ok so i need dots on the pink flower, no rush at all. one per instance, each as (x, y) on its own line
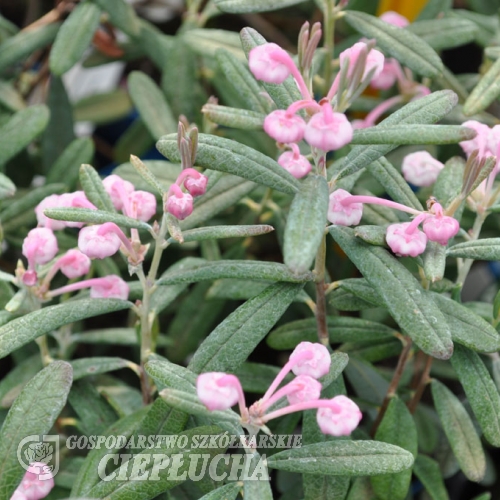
(374, 60)
(421, 169)
(30, 277)
(97, 243)
(52, 201)
(74, 264)
(303, 388)
(404, 241)
(179, 204)
(295, 163)
(269, 63)
(327, 130)
(343, 214)
(493, 140)
(441, 228)
(141, 205)
(118, 189)
(479, 142)
(36, 483)
(341, 418)
(217, 390)
(109, 287)
(310, 359)
(284, 127)
(388, 76)
(395, 19)
(39, 246)
(196, 186)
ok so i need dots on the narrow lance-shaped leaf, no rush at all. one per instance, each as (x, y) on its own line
(486, 249)
(485, 92)
(219, 232)
(84, 367)
(122, 15)
(245, 6)
(94, 189)
(428, 472)
(242, 119)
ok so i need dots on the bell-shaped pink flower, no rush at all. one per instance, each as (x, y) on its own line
(74, 264)
(303, 388)
(269, 63)
(52, 201)
(395, 19)
(109, 287)
(284, 127)
(217, 390)
(441, 228)
(493, 140)
(39, 246)
(374, 60)
(421, 169)
(343, 214)
(97, 243)
(30, 277)
(36, 483)
(341, 418)
(118, 189)
(196, 186)
(405, 242)
(480, 142)
(141, 205)
(327, 130)
(179, 204)
(295, 163)
(388, 76)
(311, 359)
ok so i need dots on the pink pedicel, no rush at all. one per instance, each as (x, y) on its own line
(405, 240)
(74, 264)
(388, 76)
(284, 126)
(303, 388)
(98, 244)
(374, 60)
(395, 19)
(179, 204)
(341, 418)
(268, 63)
(141, 205)
(481, 141)
(295, 163)
(36, 483)
(217, 390)
(194, 182)
(118, 189)
(39, 246)
(343, 214)
(421, 169)
(440, 228)
(328, 130)
(109, 287)
(310, 359)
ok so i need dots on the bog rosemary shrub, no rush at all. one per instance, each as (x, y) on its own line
(276, 309)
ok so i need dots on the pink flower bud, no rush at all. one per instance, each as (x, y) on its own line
(74, 264)
(479, 142)
(179, 204)
(294, 162)
(196, 186)
(493, 140)
(388, 76)
(441, 228)
(421, 169)
(141, 205)
(404, 243)
(75, 200)
(39, 246)
(118, 189)
(395, 19)
(52, 201)
(217, 390)
(36, 483)
(30, 278)
(327, 130)
(341, 418)
(269, 63)
(305, 388)
(374, 60)
(310, 359)
(109, 287)
(343, 214)
(284, 127)
(98, 244)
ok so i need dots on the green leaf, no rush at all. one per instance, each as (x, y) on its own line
(229, 345)
(485, 92)
(219, 232)
(10, 97)
(428, 472)
(34, 412)
(85, 367)
(206, 42)
(402, 294)
(375, 235)
(406, 47)
(7, 187)
(242, 119)
(427, 110)
(12, 384)
(449, 182)
(168, 374)
(151, 104)
(165, 172)
(245, 6)
(445, 33)
(367, 382)
(433, 8)
(95, 217)
(21, 129)
(229, 156)
(94, 189)
(25, 43)
(480, 390)
(460, 432)
(343, 458)
(20, 331)
(74, 37)
(103, 108)
(486, 249)
(257, 377)
(227, 492)
(488, 25)
(434, 261)
(122, 15)
(398, 428)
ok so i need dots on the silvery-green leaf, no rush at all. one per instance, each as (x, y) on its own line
(218, 232)
(428, 472)
(485, 92)
(245, 6)
(445, 33)
(207, 42)
(122, 15)
(164, 171)
(103, 108)
(94, 189)
(434, 261)
(84, 367)
(433, 8)
(227, 492)
(7, 187)
(233, 117)
(488, 25)
(10, 97)
(375, 235)
(485, 249)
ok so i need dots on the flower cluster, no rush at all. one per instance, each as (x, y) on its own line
(180, 203)
(33, 486)
(338, 416)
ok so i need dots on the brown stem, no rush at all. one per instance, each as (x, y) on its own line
(417, 369)
(393, 386)
(424, 380)
(145, 386)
